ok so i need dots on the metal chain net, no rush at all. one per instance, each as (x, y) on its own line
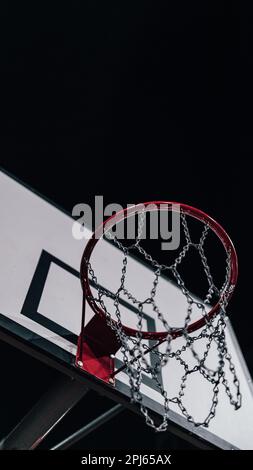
(134, 350)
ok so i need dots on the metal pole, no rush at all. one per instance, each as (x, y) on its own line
(88, 428)
(43, 417)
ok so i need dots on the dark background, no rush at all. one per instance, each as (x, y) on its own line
(134, 101)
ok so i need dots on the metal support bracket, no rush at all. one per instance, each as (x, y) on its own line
(43, 417)
(97, 346)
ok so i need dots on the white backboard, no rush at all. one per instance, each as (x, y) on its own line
(40, 306)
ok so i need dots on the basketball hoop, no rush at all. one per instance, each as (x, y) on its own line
(104, 335)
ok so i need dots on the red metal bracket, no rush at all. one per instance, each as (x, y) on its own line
(96, 347)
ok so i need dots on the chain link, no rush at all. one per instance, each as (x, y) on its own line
(134, 351)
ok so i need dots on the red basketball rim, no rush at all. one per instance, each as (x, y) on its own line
(191, 211)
